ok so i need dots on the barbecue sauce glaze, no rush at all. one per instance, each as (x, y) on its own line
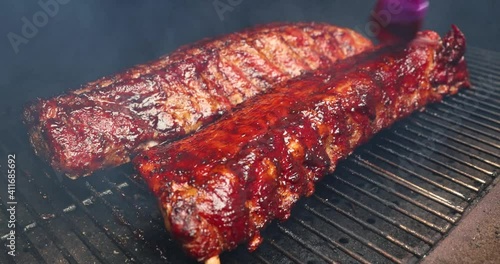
(221, 186)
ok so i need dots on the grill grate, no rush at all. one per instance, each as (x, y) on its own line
(392, 200)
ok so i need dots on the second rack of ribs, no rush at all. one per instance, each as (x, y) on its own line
(221, 186)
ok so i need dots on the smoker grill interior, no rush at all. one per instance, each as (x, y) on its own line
(391, 201)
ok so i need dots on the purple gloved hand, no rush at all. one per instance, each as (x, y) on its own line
(399, 20)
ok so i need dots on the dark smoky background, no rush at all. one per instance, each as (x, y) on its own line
(85, 40)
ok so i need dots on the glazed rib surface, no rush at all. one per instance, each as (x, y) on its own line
(105, 122)
(221, 186)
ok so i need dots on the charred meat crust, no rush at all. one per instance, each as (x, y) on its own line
(105, 122)
(219, 187)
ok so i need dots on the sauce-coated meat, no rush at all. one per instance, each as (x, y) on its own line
(220, 186)
(105, 122)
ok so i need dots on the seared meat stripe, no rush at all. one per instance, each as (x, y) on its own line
(220, 187)
(105, 122)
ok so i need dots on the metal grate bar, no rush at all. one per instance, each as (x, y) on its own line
(482, 52)
(460, 132)
(433, 113)
(287, 254)
(390, 176)
(381, 216)
(48, 231)
(414, 162)
(260, 258)
(377, 231)
(444, 154)
(479, 70)
(485, 82)
(7, 258)
(63, 189)
(485, 51)
(467, 97)
(461, 101)
(462, 109)
(33, 250)
(485, 86)
(440, 142)
(474, 56)
(137, 232)
(476, 69)
(478, 58)
(484, 59)
(496, 121)
(418, 176)
(491, 95)
(479, 67)
(332, 242)
(73, 227)
(457, 140)
(306, 245)
(133, 180)
(131, 256)
(352, 234)
(393, 206)
(432, 160)
(476, 94)
(402, 196)
(115, 187)
(157, 224)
